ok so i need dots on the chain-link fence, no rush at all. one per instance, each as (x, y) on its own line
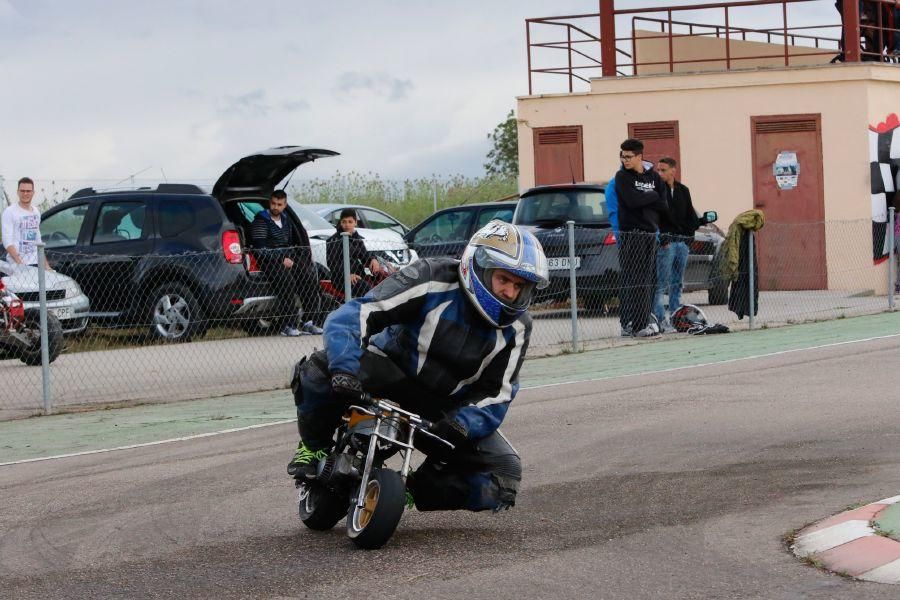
(152, 327)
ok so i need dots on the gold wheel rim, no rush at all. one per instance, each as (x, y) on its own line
(369, 503)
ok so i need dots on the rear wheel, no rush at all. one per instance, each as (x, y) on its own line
(320, 508)
(175, 314)
(384, 499)
(30, 351)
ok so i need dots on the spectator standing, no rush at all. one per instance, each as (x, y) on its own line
(635, 199)
(676, 233)
(280, 254)
(21, 226)
(360, 258)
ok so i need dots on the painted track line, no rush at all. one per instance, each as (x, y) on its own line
(145, 444)
(534, 387)
(714, 362)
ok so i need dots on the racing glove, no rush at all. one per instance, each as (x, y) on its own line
(346, 386)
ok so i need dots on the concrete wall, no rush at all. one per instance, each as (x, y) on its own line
(698, 49)
(713, 111)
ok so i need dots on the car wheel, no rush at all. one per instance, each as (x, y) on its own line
(175, 314)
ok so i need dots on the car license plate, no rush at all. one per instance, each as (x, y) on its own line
(62, 313)
(562, 262)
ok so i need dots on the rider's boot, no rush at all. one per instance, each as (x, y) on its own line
(305, 461)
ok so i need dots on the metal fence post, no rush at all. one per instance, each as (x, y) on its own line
(45, 342)
(345, 248)
(573, 293)
(752, 261)
(892, 258)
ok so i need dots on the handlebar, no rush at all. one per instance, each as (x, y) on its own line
(368, 403)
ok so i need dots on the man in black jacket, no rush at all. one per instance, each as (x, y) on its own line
(360, 258)
(675, 235)
(640, 206)
(284, 256)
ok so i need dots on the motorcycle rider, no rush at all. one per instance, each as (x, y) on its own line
(443, 338)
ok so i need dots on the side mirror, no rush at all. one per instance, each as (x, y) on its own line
(710, 216)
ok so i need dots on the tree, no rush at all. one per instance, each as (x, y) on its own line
(503, 159)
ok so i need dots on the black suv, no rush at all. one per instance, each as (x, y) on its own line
(544, 210)
(447, 232)
(175, 258)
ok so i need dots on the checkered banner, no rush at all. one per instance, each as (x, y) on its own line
(884, 156)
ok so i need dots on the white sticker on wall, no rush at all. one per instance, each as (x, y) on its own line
(786, 170)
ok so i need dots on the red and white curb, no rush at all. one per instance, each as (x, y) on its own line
(848, 544)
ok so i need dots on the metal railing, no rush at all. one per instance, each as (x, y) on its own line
(578, 38)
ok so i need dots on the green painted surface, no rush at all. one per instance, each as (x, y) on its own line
(80, 432)
(684, 350)
(888, 522)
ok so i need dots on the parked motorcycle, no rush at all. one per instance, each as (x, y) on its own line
(20, 330)
(354, 480)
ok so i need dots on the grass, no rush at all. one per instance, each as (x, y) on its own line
(108, 338)
(410, 200)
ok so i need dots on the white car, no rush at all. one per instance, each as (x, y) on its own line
(64, 296)
(388, 245)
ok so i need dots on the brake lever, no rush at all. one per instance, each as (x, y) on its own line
(450, 445)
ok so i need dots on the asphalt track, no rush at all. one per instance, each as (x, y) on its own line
(676, 484)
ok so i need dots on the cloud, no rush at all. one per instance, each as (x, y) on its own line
(352, 84)
(249, 104)
(295, 105)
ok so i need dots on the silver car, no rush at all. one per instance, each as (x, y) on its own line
(64, 296)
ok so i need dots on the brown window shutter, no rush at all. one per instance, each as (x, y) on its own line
(654, 131)
(785, 126)
(558, 155)
(560, 135)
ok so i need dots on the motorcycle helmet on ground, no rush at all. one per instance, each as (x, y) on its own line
(500, 245)
(688, 317)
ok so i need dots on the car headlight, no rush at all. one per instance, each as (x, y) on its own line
(72, 289)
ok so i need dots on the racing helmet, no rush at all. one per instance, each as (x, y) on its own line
(500, 245)
(687, 317)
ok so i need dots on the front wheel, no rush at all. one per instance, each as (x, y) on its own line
(384, 499)
(320, 508)
(30, 352)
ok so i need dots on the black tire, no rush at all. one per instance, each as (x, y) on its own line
(320, 509)
(175, 314)
(30, 354)
(373, 525)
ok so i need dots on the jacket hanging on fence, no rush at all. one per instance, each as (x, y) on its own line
(736, 267)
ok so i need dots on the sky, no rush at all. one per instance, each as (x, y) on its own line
(97, 91)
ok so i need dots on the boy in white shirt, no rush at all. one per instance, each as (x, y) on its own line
(21, 226)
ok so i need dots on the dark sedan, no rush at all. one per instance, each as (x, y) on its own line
(446, 232)
(545, 210)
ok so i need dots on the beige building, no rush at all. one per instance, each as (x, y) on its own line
(791, 141)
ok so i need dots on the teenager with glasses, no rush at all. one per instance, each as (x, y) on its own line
(636, 201)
